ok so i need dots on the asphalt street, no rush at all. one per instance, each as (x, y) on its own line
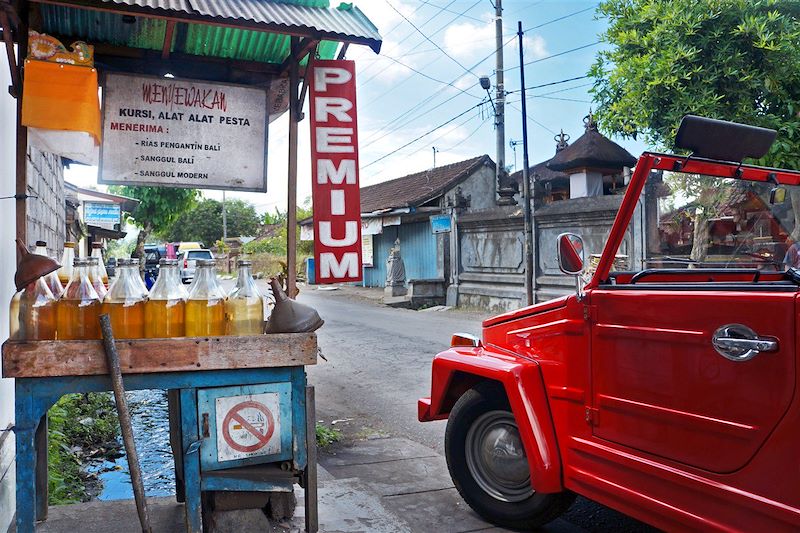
(378, 365)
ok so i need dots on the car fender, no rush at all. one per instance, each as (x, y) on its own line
(456, 370)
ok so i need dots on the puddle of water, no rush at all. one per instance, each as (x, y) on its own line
(150, 423)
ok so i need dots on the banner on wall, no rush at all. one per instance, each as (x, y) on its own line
(334, 164)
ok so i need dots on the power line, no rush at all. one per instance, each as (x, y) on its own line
(550, 83)
(531, 118)
(459, 143)
(429, 77)
(560, 18)
(424, 135)
(424, 102)
(551, 56)
(456, 61)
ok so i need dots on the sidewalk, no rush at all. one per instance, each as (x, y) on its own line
(387, 485)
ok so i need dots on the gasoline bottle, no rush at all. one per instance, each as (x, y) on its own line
(165, 310)
(205, 308)
(125, 302)
(79, 306)
(97, 251)
(94, 276)
(51, 279)
(244, 308)
(37, 312)
(65, 272)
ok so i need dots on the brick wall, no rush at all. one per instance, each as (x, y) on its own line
(46, 212)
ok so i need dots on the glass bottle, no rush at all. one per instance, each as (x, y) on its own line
(165, 311)
(50, 279)
(79, 306)
(97, 251)
(37, 312)
(65, 272)
(94, 276)
(125, 303)
(244, 308)
(205, 308)
(13, 317)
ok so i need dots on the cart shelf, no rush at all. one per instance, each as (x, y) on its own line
(35, 359)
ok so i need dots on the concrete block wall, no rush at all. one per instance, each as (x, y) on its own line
(46, 213)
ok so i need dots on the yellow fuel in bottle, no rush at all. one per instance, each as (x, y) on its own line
(78, 310)
(164, 318)
(127, 319)
(205, 318)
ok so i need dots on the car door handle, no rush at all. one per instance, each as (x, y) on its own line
(737, 342)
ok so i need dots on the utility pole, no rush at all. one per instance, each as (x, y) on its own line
(526, 182)
(224, 219)
(504, 192)
(434, 156)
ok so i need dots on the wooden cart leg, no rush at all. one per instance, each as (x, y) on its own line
(176, 441)
(42, 491)
(310, 473)
(191, 460)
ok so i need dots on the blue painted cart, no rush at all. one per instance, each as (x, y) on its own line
(246, 414)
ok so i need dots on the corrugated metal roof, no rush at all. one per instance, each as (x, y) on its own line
(311, 17)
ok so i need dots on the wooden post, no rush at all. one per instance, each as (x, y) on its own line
(22, 132)
(310, 481)
(291, 201)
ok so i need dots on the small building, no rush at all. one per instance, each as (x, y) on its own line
(93, 216)
(402, 209)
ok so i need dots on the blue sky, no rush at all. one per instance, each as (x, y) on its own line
(419, 82)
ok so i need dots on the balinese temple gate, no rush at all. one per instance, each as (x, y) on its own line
(188, 89)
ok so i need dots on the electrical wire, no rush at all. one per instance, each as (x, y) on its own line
(559, 54)
(423, 135)
(462, 141)
(560, 18)
(549, 84)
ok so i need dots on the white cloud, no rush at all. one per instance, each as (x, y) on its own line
(465, 40)
(534, 47)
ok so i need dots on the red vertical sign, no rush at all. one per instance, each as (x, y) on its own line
(334, 172)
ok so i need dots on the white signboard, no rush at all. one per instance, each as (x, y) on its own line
(367, 252)
(183, 133)
(106, 215)
(248, 426)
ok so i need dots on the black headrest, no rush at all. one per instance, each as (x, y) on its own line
(726, 141)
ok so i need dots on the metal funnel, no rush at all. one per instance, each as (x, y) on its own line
(290, 316)
(32, 266)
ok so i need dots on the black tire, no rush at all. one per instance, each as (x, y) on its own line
(523, 507)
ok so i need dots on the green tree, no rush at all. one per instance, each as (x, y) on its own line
(734, 60)
(204, 222)
(158, 208)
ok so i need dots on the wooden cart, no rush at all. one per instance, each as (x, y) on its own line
(208, 376)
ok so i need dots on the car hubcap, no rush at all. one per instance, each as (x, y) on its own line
(496, 458)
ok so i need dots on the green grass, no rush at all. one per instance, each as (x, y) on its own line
(327, 436)
(76, 422)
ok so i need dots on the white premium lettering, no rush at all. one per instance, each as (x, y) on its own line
(337, 202)
(332, 105)
(330, 267)
(335, 140)
(327, 171)
(350, 234)
(325, 75)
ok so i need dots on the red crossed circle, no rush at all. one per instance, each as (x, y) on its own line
(235, 415)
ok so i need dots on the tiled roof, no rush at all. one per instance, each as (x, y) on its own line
(540, 173)
(416, 189)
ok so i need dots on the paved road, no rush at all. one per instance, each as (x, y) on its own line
(379, 364)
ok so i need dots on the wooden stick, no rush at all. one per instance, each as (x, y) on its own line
(125, 422)
(310, 481)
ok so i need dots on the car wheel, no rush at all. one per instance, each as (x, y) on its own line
(488, 465)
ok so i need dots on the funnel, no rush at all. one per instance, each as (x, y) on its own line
(32, 266)
(289, 316)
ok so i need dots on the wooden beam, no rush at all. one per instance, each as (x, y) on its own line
(297, 54)
(291, 200)
(16, 81)
(22, 133)
(28, 359)
(342, 51)
(168, 39)
(312, 57)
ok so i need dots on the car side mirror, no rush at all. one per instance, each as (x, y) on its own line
(570, 253)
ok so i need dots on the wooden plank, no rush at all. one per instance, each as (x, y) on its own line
(23, 359)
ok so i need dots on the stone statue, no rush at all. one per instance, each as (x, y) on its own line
(395, 268)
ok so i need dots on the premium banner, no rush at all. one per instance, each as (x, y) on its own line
(334, 164)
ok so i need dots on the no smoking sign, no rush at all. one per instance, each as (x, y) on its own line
(248, 426)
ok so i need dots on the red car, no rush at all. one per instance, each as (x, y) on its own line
(669, 392)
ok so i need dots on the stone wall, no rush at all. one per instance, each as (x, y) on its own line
(492, 261)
